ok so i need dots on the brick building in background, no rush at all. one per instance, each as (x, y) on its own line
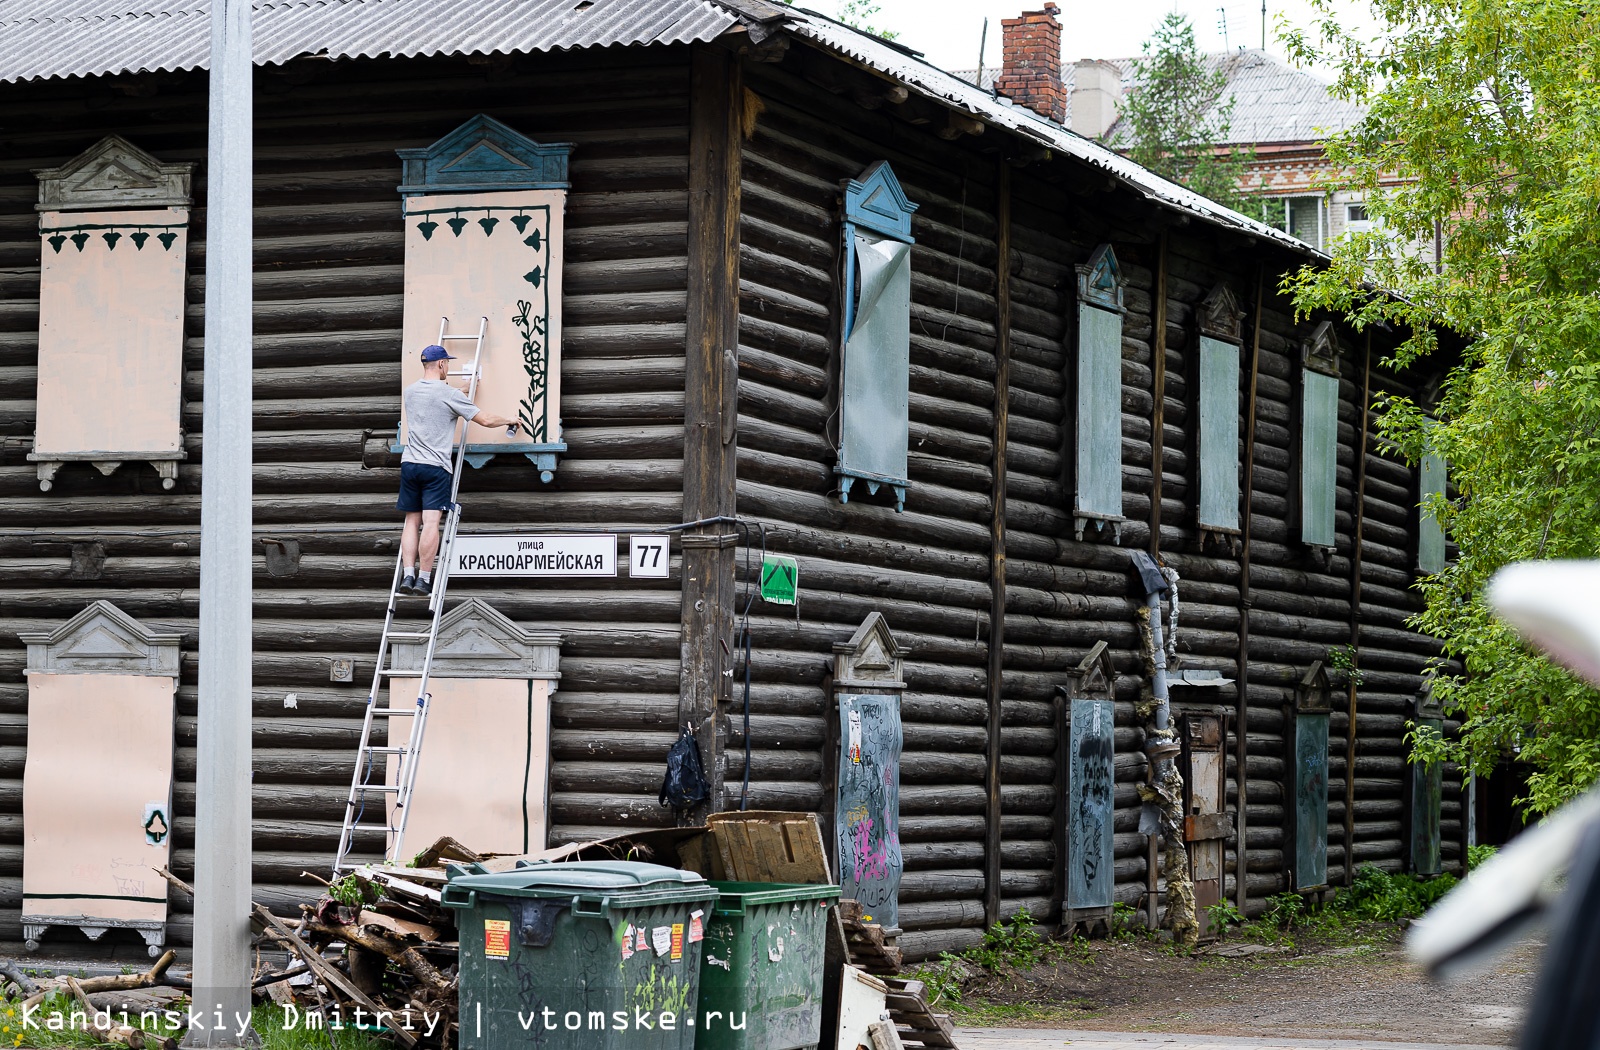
(1282, 113)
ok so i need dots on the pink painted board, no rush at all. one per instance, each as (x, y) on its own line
(491, 268)
(99, 750)
(110, 335)
(484, 765)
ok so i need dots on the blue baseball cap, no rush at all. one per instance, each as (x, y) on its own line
(436, 353)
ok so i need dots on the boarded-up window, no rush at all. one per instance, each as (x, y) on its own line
(1424, 791)
(97, 787)
(113, 229)
(1218, 436)
(874, 415)
(1098, 488)
(1319, 437)
(485, 226)
(1432, 480)
(1309, 779)
(483, 772)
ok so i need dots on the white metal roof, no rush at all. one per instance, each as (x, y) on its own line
(65, 38)
(909, 68)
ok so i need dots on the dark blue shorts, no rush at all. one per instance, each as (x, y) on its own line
(423, 487)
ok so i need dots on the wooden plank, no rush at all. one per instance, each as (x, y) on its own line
(710, 408)
(1241, 716)
(767, 851)
(805, 845)
(997, 550)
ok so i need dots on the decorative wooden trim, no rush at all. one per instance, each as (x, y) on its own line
(1219, 316)
(113, 173)
(102, 639)
(478, 641)
(484, 155)
(870, 660)
(1311, 693)
(1094, 678)
(1320, 353)
(877, 202)
(1100, 280)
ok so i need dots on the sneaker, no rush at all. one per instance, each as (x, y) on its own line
(423, 587)
(408, 585)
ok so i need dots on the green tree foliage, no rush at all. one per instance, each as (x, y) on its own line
(1488, 114)
(860, 13)
(1175, 115)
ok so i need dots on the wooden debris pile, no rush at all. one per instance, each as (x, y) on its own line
(103, 1024)
(377, 949)
(873, 949)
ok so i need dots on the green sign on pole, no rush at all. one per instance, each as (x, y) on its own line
(780, 579)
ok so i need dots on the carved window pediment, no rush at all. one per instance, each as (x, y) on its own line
(1219, 316)
(113, 173)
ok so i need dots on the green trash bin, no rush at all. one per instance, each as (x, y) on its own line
(761, 979)
(598, 955)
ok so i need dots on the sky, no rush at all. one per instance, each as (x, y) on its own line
(948, 31)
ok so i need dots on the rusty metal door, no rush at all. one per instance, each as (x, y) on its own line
(1205, 798)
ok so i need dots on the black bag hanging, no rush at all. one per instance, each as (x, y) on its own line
(685, 782)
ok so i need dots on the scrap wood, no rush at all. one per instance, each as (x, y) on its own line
(908, 1008)
(123, 982)
(446, 848)
(111, 1032)
(398, 927)
(319, 966)
(368, 939)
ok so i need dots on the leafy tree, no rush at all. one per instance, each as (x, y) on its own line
(1174, 116)
(1488, 114)
(859, 13)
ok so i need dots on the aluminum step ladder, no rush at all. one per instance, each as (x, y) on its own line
(372, 760)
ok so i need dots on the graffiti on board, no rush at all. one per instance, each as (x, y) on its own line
(868, 805)
(1091, 752)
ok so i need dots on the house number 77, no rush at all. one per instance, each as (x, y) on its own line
(647, 557)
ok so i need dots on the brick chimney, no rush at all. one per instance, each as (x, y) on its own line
(1096, 96)
(1030, 71)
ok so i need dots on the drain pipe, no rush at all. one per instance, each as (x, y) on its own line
(1162, 815)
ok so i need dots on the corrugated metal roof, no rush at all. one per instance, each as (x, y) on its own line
(61, 38)
(950, 89)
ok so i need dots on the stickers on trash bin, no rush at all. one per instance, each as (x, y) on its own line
(627, 943)
(661, 939)
(639, 944)
(677, 941)
(497, 938)
(697, 927)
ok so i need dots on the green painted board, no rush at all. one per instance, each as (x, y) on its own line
(1099, 478)
(1430, 534)
(1319, 456)
(1311, 800)
(1426, 791)
(1219, 433)
(1090, 796)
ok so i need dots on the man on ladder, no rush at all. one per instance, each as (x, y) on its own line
(426, 475)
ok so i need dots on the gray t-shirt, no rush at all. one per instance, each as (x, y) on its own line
(432, 406)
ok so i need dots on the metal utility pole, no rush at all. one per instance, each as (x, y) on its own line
(222, 782)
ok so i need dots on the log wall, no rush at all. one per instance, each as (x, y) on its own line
(329, 256)
(328, 286)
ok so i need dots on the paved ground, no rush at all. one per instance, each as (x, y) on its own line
(1069, 1039)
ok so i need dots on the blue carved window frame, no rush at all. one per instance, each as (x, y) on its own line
(528, 165)
(874, 384)
(1097, 468)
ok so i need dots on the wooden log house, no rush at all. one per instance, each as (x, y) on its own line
(751, 193)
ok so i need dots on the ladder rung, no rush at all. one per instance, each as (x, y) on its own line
(474, 335)
(392, 711)
(379, 788)
(385, 750)
(410, 636)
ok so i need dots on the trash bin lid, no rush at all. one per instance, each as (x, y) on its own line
(581, 879)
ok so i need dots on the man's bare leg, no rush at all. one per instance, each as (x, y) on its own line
(408, 542)
(430, 539)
